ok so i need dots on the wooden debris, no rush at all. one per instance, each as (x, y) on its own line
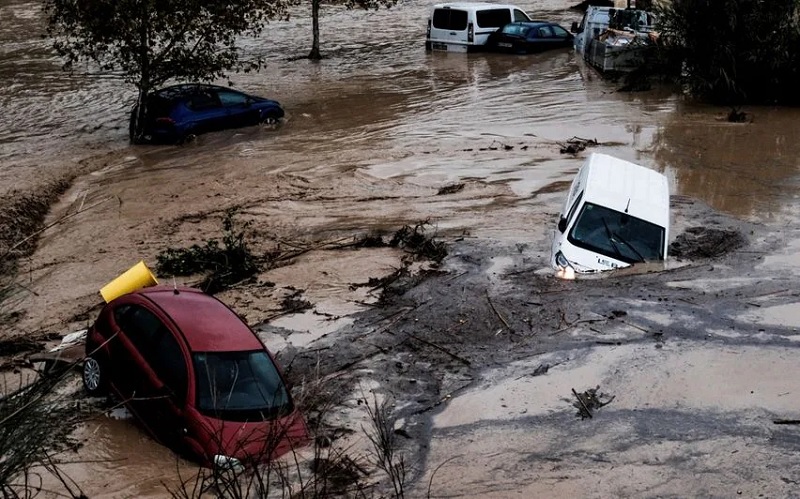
(441, 349)
(589, 401)
(576, 145)
(450, 189)
(505, 323)
(542, 369)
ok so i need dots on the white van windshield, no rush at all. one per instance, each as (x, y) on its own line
(617, 235)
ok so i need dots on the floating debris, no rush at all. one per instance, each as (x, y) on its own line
(577, 144)
(706, 242)
(590, 401)
(450, 189)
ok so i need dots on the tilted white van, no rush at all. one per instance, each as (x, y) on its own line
(465, 26)
(616, 214)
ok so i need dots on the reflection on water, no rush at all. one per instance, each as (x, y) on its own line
(748, 169)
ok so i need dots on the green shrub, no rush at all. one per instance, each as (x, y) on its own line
(734, 51)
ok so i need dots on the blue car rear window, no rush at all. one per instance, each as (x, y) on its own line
(515, 29)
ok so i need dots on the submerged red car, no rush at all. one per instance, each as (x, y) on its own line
(194, 374)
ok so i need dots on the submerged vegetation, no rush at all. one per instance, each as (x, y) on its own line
(35, 423)
(223, 263)
(733, 52)
(419, 242)
(22, 216)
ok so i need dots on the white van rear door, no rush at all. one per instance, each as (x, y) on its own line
(448, 26)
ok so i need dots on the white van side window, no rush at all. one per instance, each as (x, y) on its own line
(493, 18)
(450, 19)
(520, 16)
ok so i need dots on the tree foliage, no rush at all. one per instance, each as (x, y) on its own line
(149, 42)
(735, 51)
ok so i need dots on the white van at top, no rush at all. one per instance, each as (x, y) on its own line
(465, 27)
(616, 214)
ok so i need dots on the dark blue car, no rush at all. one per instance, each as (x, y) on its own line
(180, 112)
(529, 37)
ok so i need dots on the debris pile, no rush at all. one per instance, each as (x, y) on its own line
(705, 242)
(576, 145)
(419, 242)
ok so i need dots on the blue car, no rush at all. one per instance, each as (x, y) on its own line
(529, 37)
(180, 112)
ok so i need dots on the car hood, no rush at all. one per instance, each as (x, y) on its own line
(257, 441)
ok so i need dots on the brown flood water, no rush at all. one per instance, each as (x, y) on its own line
(374, 127)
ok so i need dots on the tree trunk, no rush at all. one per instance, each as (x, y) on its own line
(315, 55)
(138, 118)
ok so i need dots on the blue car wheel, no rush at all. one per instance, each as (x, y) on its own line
(270, 118)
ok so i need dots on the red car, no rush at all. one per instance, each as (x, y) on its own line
(194, 374)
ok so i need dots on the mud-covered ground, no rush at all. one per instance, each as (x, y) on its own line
(478, 358)
(481, 359)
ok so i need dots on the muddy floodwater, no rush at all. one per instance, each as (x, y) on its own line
(372, 133)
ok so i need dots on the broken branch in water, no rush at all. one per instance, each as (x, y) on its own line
(588, 401)
(586, 412)
(576, 145)
(575, 323)
(442, 349)
(497, 313)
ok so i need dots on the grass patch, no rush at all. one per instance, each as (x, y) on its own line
(22, 215)
(35, 423)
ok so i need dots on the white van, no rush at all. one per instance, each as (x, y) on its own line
(465, 27)
(616, 214)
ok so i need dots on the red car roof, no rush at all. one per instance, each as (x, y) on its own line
(207, 324)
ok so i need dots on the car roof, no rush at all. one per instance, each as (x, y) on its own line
(474, 5)
(184, 89)
(627, 187)
(531, 24)
(207, 324)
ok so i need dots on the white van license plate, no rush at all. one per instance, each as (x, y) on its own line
(439, 46)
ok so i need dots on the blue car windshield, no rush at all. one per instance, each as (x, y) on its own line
(617, 235)
(240, 386)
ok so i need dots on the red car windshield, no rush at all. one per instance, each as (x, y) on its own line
(240, 386)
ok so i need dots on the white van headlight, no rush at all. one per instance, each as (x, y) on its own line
(227, 463)
(565, 269)
(562, 261)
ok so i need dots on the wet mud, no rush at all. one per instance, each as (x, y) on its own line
(380, 135)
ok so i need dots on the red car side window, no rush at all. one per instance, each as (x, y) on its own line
(157, 345)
